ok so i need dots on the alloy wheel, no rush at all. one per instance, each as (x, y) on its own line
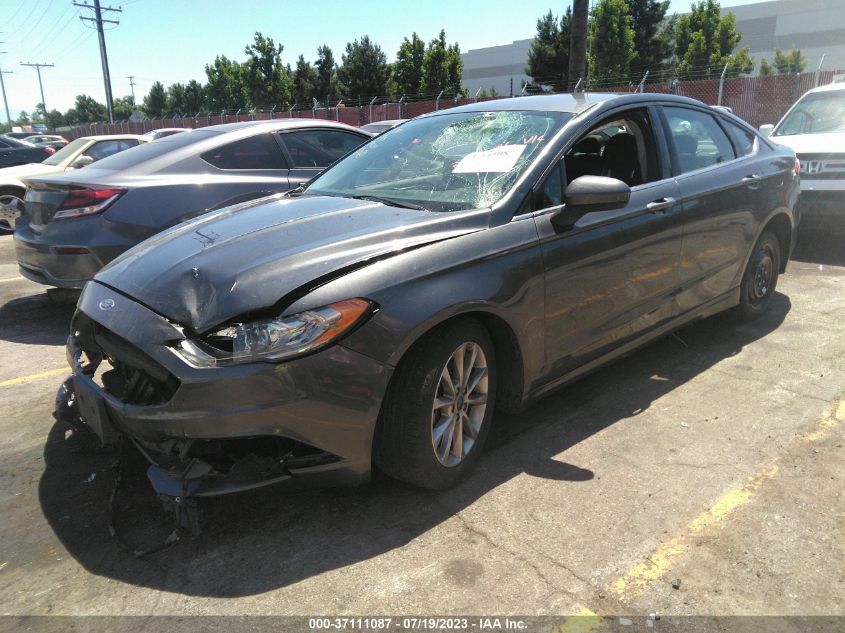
(460, 402)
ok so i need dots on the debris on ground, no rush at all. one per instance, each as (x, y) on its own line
(676, 584)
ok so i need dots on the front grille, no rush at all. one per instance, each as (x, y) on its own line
(119, 367)
(824, 166)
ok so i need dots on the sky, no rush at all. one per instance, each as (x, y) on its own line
(161, 40)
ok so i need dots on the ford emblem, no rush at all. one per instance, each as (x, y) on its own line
(106, 304)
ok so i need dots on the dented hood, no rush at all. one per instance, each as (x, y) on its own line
(250, 257)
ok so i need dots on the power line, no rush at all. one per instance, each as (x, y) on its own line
(99, 21)
(49, 33)
(38, 68)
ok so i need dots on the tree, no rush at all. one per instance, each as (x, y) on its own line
(326, 86)
(175, 99)
(406, 74)
(364, 70)
(86, 110)
(304, 82)
(548, 58)
(790, 63)
(23, 118)
(704, 43)
(267, 79)
(766, 68)
(123, 108)
(647, 18)
(156, 101)
(442, 67)
(194, 97)
(226, 88)
(613, 41)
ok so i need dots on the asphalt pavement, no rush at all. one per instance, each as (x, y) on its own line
(702, 475)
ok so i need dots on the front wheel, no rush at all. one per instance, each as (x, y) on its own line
(760, 278)
(439, 407)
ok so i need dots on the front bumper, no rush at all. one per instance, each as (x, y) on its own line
(213, 431)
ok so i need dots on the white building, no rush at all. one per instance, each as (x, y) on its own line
(817, 27)
(499, 67)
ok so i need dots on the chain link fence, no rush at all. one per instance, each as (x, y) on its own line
(758, 100)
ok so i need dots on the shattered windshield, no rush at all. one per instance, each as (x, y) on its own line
(443, 163)
(816, 113)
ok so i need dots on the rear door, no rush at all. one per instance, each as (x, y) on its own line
(611, 277)
(720, 199)
(310, 151)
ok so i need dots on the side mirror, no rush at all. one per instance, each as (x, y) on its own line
(82, 161)
(766, 130)
(588, 194)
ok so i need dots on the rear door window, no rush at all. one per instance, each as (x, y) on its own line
(256, 152)
(698, 139)
(319, 148)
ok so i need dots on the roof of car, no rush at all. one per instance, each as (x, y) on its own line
(114, 137)
(573, 102)
(277, 123)
(829, 88)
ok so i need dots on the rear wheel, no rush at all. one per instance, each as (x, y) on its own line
(760, 278)
(437, 412)
(11, 206)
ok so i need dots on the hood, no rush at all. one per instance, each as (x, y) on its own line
(821, 143)
(268, 252)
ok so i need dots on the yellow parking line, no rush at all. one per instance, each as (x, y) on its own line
(830, 420)
(31, 377)
(582, 621)
(638, 579)
(18, 278)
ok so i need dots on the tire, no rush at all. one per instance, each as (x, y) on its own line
(9, 195)
(760, 278)
(412, 440)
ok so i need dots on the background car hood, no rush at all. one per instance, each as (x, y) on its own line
(251, 257)
(822, 143)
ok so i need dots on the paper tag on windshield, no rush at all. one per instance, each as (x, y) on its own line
(498, 159)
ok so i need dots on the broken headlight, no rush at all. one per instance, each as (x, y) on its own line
(274, 339)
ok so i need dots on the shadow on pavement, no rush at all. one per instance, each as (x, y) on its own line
(35, 320)
(821, 244)
(259, 541)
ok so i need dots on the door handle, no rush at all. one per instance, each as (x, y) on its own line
(752, 181)
(662, 204)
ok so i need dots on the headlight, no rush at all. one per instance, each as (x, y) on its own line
(274, 339)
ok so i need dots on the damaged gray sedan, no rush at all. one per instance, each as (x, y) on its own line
(466, 261)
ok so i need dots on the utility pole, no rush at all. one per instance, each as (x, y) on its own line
(99, 21)
(3, 87)
(578, 42)
(131, 79)
(38, 67)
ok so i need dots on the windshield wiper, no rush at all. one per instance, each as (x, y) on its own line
(392, 202)
(293, 193)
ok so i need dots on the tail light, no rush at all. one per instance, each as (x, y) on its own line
(797, 167)
(87, 201)
(50, 150)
